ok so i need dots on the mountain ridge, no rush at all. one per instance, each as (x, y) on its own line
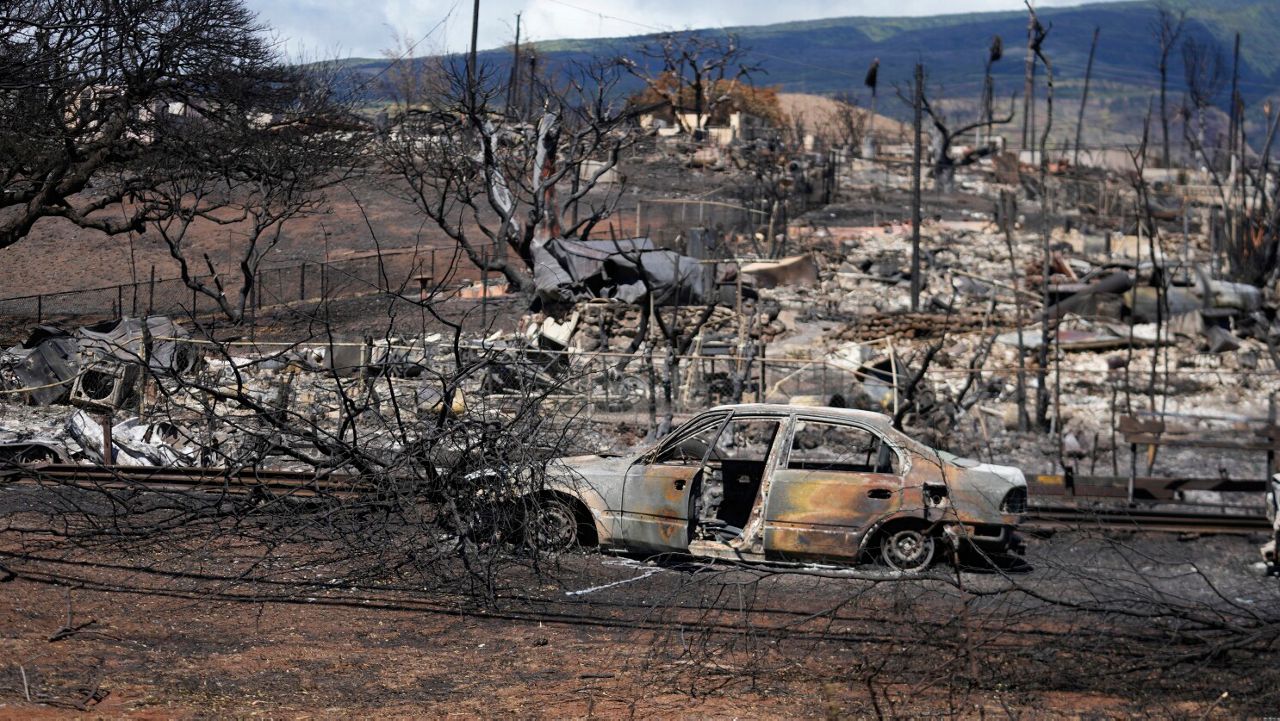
(830, 56)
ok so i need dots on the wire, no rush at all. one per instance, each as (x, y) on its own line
(406, 54)
(611, 17)
(72, 379)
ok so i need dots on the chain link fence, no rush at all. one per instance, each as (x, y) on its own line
(669, 223)
(397, 271)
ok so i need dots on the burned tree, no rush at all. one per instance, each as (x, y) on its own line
(945, 134)
(1246, 191)
(148, 115)
(502, 190)
(691, 73)
(1204, 69)
(852, 123)
(1165, 28)
(995, 52)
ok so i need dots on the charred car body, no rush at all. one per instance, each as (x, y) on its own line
(784, 483)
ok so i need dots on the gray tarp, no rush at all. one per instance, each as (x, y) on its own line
(123, 339)
(673, 278)
(568, 270)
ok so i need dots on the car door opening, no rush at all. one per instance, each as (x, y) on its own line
(729, 485)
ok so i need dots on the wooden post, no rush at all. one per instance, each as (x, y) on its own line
(302, 281)
(915, 191)
(604, 378)
(108, 455)
(1028, 95)
(1234, 117)
(760, 389)
(471, 58)
(1213, 243)
(513, 84)
(1271, 423)
(151, 292)
(484, 288)
(1133, 468)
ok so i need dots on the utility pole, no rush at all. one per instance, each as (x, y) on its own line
(1029, 89)
(915, 191)
(1084, 98)
(471, 58)
(1235, 99)
(513, 85)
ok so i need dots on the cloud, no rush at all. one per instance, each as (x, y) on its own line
(364, 28)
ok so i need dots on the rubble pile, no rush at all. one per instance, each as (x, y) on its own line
(910, 326)
(613, 327)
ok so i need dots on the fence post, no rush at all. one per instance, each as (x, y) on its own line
(120, 300)
(604, 379)
(760, 390)
(484, 289)
(151, 292)
(133, 303)
(39, 309)
(302, 281)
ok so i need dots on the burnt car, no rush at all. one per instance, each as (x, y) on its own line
(784, 483)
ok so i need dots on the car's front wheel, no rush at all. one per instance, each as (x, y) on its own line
(907, 549)
(552, 526)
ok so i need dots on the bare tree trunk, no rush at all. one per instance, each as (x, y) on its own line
(1008, 213)
(915, 191)
(1042, 392)
(1164, 117)
(1084, 98)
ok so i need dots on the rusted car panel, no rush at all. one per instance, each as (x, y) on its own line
(783, 482)
(817, 515)
(656, 510)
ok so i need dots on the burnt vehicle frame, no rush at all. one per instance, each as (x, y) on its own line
(754, 483)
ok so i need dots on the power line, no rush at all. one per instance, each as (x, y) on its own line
(610, 17)
(406, 54)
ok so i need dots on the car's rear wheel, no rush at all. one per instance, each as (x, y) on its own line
(909, 550)
(552, 526)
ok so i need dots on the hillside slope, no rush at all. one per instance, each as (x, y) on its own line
(831, 55)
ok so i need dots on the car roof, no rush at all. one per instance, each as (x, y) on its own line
(846, 414)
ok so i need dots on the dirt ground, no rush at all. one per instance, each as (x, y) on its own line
(610, 637)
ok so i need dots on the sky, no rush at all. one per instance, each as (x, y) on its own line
(319, 29)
